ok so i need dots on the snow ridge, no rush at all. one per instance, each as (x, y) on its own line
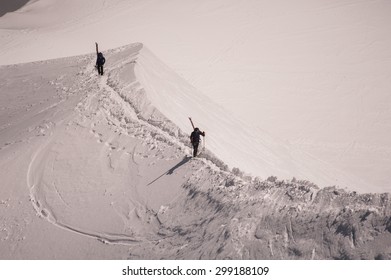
(124, 110)
(105, 163)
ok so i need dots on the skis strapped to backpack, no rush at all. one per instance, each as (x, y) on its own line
(192, 124)
(203, 138)
(97, 51)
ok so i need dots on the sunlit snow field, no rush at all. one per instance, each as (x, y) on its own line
(100, 167)
(305, 79)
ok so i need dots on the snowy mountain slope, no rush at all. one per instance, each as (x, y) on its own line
(75, 153)
(238, 144)
(92, 169)
(312, 74)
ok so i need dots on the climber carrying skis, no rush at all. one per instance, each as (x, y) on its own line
(100, 60)
(195, 139)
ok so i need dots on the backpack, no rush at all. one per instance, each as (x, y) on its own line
(101, 60)
(195, 136)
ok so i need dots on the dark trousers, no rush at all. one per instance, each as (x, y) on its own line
(195, 148)
(100, 69)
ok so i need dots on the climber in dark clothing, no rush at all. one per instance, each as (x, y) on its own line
(195, 139)
(100, 61)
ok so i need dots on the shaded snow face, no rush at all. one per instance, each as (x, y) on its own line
(8, 6)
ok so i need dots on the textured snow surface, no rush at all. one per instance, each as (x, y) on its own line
(311, 75)
(99, 167)
(91, 169)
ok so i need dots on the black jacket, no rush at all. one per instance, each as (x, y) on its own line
(100, 59)
(195, 136)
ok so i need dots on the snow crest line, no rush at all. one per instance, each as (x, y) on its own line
(132, 93)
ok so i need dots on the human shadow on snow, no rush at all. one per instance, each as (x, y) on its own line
(171, 170)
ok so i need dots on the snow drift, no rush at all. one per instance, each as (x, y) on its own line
(100, 167)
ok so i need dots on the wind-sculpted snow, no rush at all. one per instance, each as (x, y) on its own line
(109, 175)
(276, 220)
